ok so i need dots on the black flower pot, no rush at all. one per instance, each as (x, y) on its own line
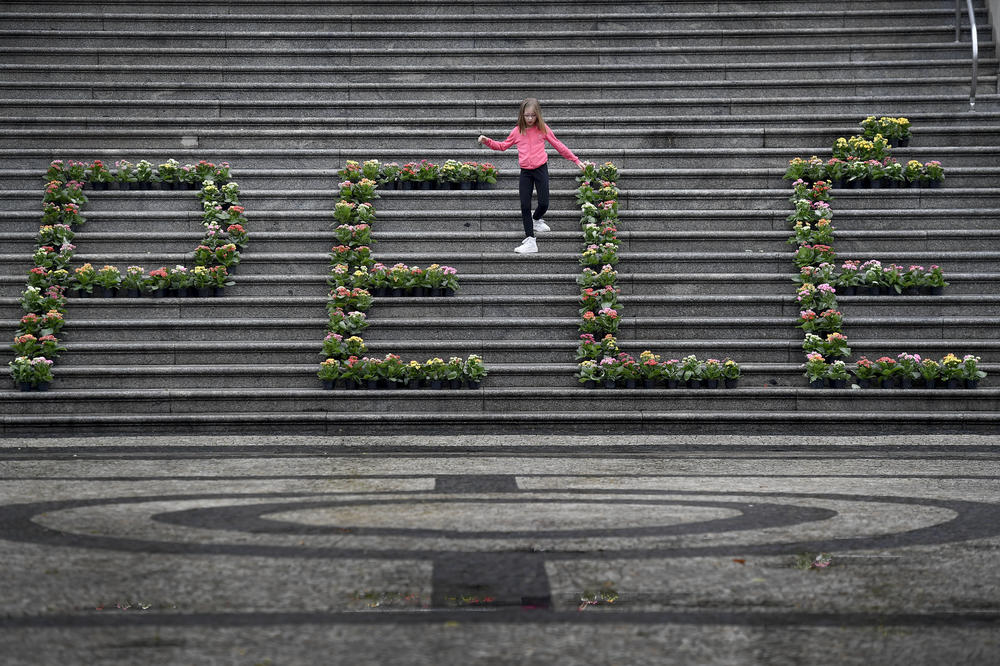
(371, 383)
(81, 293)
(914, 184)
(158, 293)
(903, 143)
(732, 383)
(888, 382)
(396, 292)
(406, 184)
(847, 290)
(24, 386)
(434, 291)
(954, 383)
(418, 291)
(609, 383)
(971, 383)
(105, 292)
(875, 183)
(465, 185)
(204, 292)
(145, 185)
(816, 383)
(97, 187)
(712, 383)
(930, 383)
(838, 383)
(455, 383)
(671, 383)
(864, 383)
(328, 384)
(694, 383)
(472, 384)
(649, 383)
(218, 291)
(630, 383)
(131, 293)
(936, 291)
(435, 383)
(427, 184)
(447, 291)
(905, 382)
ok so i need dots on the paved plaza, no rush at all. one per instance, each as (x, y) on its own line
(507, 550)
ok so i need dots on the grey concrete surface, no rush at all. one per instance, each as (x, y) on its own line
(500, 549)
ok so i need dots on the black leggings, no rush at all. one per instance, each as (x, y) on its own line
(538, 179)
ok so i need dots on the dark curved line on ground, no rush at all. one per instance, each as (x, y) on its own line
(248, 518)
(974, 520)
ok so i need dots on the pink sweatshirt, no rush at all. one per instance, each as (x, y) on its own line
(531, 147)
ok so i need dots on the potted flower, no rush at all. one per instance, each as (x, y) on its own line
(611, 371)
(125, 175)
(835, 171)
(436, 371)
(649, 369)
(952, 371)
(450, 174)
(84, 278)
(371, 170)
(350, 373)
(971, 372)
(468, 172)
(474, 371)
(22, 372)
(590, 373)
(894, 172)
(908, 369)
(815, 369)
(835, 346)
(712, 372)
(367, 370)
(629, 371)
(329, 373)
(131, 281)
(156, 282)
(144, 175)
(99, 176)
(454, 371)
(178, 281)
(865, 371)
(691, 371)
(930, 371)
(933, 173)
(413, 375)
(108, 279)
(427, 175)
(876, 172)
(389, 175)
(202, 281)
(230, 194)
(672, 371)
(934, 281)
(857, 173)
(392, 371)
(914, 173)
(886, 369)
(486, 176)
(408, 176)
(731, 373)
(837, 375)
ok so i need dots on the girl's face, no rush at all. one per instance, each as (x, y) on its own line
(530, 116)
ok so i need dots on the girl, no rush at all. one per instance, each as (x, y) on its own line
(530, 136)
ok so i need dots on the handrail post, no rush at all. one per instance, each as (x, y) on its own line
(975, 45)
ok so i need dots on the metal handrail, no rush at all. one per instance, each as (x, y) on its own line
(975, 44)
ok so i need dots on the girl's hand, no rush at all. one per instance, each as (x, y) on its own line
(482, 138)
(582, 166)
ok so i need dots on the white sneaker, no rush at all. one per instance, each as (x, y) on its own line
(541, 226)
(527, 245)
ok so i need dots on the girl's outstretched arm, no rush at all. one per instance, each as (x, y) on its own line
(499, 145)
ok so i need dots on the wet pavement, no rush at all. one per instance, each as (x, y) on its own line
(547, 550)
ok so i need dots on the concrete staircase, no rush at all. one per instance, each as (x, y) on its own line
(701, 104)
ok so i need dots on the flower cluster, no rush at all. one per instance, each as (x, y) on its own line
(52, 278)
(905, 371)
(354, 371)
(356, 278)
(612, 369)
(423, 174)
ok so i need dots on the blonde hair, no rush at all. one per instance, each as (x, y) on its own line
(530, 103)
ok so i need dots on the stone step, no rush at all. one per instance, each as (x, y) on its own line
(308, 326)
(222, 353)
(435, 7)
(699, 421)
(508, 263)
(406, 71)
(469, 201)
(848, 241)
(95, 48)
(697, 23)
(425, 220)
(556, 106)
(303, 376)
(389, 308)
(823, 124)
(360, 139)
(506, 162)
(674, 284)
(718, 91)
(142, 404)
